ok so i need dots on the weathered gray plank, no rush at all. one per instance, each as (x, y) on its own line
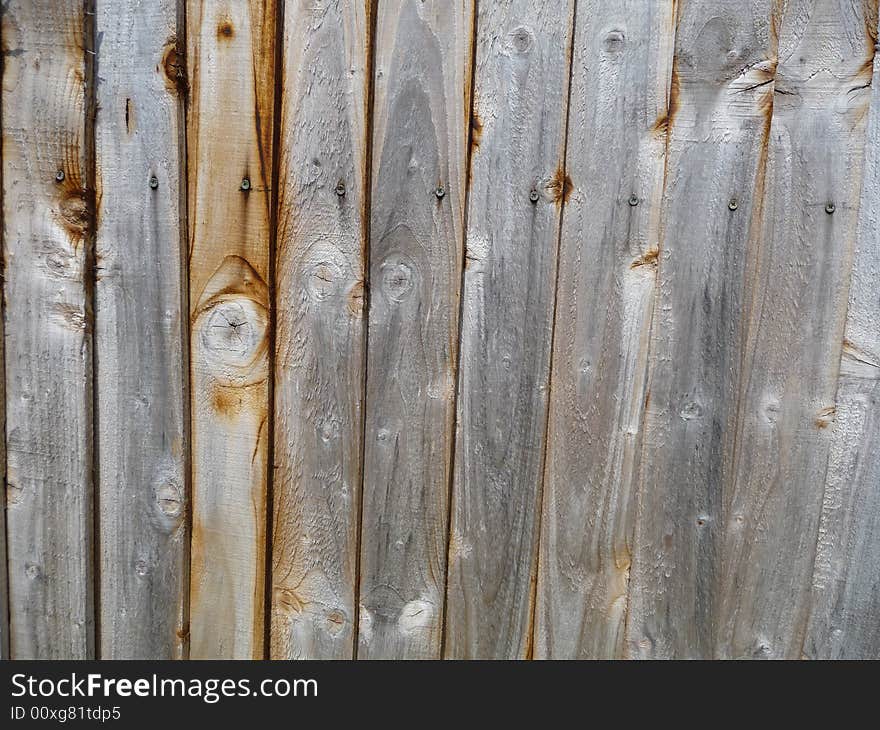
(845, 603)
(608, 253)
(4, 585)
(521, 79)
(47, 217)
(231, 49)
(421, 117)
(140, 329)
(718, 123)
(320, 329)
(795, 326)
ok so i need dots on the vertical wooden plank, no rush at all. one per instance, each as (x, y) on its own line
(420, 133)
(319, 342)
(796, 325)
(47, 218)
(140, 332)
(608, 265)
(845, 604)
(718, 123)
(4, 570)
(515, 199)
(231, 49)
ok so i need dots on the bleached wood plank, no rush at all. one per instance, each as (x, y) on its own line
(420, 133)
(608, 251)
(818, 140)
(47, 220)
(718, 124)
(4, 583)
(140, 333)
(845, 612)
(320, 333)
(519, 113)
(231, 49)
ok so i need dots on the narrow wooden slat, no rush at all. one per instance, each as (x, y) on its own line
(718, 124)
(320, 332)
(140, 329)
(845, 616)
(521, 79)
(608, 267)
(4, 584)
(796, 325)
(421, 118)
(47, 218)
(231, 49)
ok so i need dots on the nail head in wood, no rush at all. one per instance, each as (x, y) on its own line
(340, 189)
(533, 196)
(633, 200)
(440, 192)
(830, 208)
(246, 184)
(154, 182)
(733, 204)
(59, 176)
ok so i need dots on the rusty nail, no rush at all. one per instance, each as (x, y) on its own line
(633, 200)
(340, 189)
(533, 196)
(829, 208)
(154, 182)
(439, 192)
(733, 204)
(246, 184)
(59, 176)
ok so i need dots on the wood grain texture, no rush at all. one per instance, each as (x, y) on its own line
(718, 123)
(4, 582)
(845, 604)
(420, 133)
(826, 64)
(608, 269)
(519, 114)
(47, 234)
(320, 331)
(795, 326)
(231, 50)
(141, 322)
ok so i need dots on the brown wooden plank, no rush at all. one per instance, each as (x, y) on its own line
(231, 53)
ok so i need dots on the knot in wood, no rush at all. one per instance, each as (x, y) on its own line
(233, 332)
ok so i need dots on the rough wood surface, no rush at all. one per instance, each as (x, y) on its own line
(231, 53)
(845, 615)
(4, 584)
(795, 327)
(47, 233)
(140, 334)
(519, 114)
(608, 267)
(719, 116)
(320, 330)
(420, 133)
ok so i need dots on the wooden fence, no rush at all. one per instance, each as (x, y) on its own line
(422, 328)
